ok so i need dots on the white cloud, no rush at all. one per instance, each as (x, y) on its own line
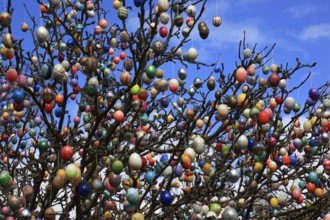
(299, 11)
(315, 32)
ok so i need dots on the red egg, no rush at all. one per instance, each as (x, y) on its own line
(44, 8)
(269, 112)
(274, 80)
(186, 161)
(174, 85)
(48, 107)
(116, 60)
(326, 164)
(163, 31)
(310, 187)
(240, 75)
(278, 99)
(122, 55)
(119, 116)
(263, 117)
(11, 75)
(190, 21)
(286, 160)
(67, 153)
(301, 199)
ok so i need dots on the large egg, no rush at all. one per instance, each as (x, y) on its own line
(135, 161)
(42, 34)
(163, 5)
(198, 144)
(223, 110)
(132, 195)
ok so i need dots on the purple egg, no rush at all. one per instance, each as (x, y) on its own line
(164, 101)
(311, 102)
(180, 125)
(314, 94)
(178, 170)
(38, 120)
(74, 82)
(297, 143)
(198, 179)
(272, 141)
(21, 81)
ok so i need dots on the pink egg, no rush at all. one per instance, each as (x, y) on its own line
(327, 216)
(103, 23)
(296, 194)
(240, 75)
(5, 210)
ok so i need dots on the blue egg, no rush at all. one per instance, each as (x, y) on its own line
(18, 96)
(70, 42)
(106, 48)
(37, 87)
(164, 158)
(279, 161)
(301, 184)
(84, 190)
(319, 183)
(46, 71)
(137, 3)
(312, 176)
(201, 163)
(132, 195)
(251, 143)
(58, 112)
(80, 6)
(14, 140)
(166, 198)
(293, 159)
(150, 176)
(217, 68)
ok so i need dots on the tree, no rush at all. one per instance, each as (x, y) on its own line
(91, 127)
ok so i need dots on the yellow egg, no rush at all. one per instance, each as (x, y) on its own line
(313, 120)
(307, 126)
(257, 167)
(241, 99)
(116, 4)
(285, 182)
(273, 203)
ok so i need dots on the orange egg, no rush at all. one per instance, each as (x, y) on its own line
(318, 192)
(206, 168)
(43, 8)
(251, 70)
(199, 123)
(5, 116)
(286, 160)
(272, 166)
(59, 99)
(60, 172)
(273, 103)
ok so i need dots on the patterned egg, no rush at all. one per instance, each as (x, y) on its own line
(122, 13)
(217, 21)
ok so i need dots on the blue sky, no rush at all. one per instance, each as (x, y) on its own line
(300, 29)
